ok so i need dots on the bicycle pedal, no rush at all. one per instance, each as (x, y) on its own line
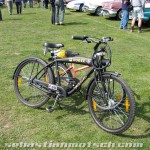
(50, 109)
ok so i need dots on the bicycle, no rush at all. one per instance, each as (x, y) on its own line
(110, 100)
(71, 70)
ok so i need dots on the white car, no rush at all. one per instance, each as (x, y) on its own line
(94, 6)
(76, 5)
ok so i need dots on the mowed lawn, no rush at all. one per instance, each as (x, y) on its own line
(21, 36)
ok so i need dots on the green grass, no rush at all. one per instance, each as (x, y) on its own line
(22, 36)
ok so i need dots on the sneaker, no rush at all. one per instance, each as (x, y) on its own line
(140, 31)
(56, 23)
(131, 30)
(61, 23)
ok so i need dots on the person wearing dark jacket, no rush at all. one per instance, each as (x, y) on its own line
(125, 14)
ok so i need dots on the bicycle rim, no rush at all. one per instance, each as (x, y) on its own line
(27, 93)
(112, 104)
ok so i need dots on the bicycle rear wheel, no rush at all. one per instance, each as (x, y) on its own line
(64, 74)
(111, 104)
(27, 93)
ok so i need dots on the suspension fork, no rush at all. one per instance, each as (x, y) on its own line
(99, 77)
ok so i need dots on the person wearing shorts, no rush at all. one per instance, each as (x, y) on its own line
(138, 6)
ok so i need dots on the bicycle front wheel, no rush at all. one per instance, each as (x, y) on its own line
(111, 104)
(28, 94)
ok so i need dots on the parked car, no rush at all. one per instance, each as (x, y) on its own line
(113, 9)
(1, 2)
(76, 5)
(67, 1)
(94, 6)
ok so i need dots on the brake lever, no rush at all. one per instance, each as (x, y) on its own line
(86, 41)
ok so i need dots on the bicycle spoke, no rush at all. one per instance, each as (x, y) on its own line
(28, 92)
(114, 112)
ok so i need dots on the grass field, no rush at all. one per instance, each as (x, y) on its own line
(22, 36)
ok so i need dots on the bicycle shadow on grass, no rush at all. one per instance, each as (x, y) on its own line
(75, 104)
(142, 108)
(137, 136)
(141, 113)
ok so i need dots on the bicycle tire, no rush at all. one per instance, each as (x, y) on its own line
(65, 71)
(26, 93)
(116, 113)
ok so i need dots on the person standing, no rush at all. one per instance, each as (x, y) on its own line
(59, 5)
(24, 3)
(31, 3)
(52, 2)
(46, 4)
(1, 12)
(10, 6)
(0, 15)
(138, 6)
(125, 14)
(39, 1)
(18, 6)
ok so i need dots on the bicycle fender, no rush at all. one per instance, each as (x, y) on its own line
(111, 73)
(23, 62)
(104, 73)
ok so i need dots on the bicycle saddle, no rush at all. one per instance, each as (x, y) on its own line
(53, 45)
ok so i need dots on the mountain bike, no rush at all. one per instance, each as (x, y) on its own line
(110, 100)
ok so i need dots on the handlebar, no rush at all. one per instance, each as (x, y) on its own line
(99, 53)
(89, 40)
(84, 37)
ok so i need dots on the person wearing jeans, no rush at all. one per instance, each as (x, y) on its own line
(125, 15)
(10, 6)
(59, 5)
(31, 3)
(0, 15)
(24, 3)
(18, 6)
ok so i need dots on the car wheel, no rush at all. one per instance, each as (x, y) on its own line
(81, 8)
(98, 11)
(119, 14)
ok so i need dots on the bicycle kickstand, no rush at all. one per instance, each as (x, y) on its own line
(51, 108)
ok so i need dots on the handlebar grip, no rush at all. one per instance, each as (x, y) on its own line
(106, 39)
(79, 37)
(109, 38)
